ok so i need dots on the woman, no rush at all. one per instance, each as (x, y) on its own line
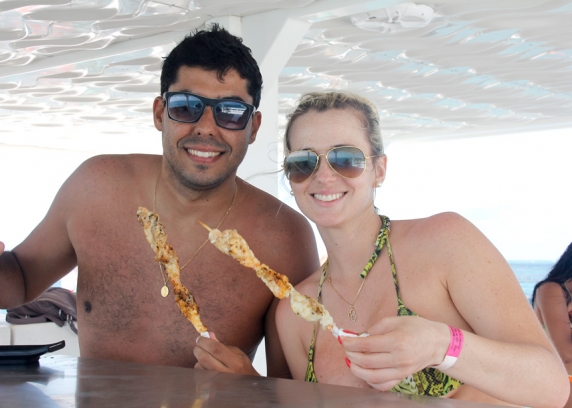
(552, 303)
(431, 288)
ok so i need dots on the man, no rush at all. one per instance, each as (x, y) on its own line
(210, 86)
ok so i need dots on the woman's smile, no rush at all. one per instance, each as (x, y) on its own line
(328, 197)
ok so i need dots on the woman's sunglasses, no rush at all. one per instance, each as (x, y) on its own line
(347, 161)
(188, 108)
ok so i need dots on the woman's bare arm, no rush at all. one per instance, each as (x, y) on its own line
(506, 354)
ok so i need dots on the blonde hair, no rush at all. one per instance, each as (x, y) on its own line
(323, 101)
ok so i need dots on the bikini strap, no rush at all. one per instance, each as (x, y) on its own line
(382, 238)
(401, 309)
(310, 375)
(322, 279)
(380, 241)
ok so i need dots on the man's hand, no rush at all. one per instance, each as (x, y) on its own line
(213, 355)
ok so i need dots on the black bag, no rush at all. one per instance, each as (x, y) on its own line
(57, 305)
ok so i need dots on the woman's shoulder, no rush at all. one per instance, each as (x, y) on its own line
(446, 243)
(550, 289)
(433, 223)
(439, 228)
(311, 285)
(308, 287)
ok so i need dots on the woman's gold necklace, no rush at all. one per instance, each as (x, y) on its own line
(379, 242)
(352, 314)
(165, 288)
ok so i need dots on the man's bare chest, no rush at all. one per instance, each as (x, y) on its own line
(119, 292)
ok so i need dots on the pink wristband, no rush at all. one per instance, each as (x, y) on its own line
(455, 347)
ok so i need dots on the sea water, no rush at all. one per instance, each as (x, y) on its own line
(529, 273)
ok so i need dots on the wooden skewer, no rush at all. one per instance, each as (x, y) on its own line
(206, 226)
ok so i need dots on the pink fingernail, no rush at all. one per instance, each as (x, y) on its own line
(350, 332)
(340, 340)
(348, 362)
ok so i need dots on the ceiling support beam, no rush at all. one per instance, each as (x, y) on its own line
(273, 38)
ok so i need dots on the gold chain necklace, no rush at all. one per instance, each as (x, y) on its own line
(352, 314)
(165, 288)
(382, 237)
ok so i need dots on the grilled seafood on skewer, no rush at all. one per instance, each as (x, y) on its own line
(166, 255)
(231, 243)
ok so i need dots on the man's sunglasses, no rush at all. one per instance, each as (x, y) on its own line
(347, 161)
(188, 108)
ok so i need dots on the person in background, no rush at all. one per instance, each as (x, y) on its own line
(207, 113)
(552, 304)
(442, 312)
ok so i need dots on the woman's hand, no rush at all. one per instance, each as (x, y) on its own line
(396, 348)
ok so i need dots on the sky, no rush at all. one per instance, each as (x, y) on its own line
(516, 189)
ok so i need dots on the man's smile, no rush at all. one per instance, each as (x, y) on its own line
(199, 153)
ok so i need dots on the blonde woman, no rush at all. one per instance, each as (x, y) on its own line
(444, 314)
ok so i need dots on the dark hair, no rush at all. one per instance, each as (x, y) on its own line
(213, 49)
(560, 273)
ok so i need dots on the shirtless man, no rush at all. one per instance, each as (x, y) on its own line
(92, 223)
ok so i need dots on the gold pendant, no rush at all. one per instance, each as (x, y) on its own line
(164, 291)
(352, 314)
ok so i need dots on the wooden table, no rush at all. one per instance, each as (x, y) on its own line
(65, 381)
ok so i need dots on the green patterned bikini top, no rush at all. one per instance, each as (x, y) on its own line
(428, 381)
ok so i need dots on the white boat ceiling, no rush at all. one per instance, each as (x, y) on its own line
(440, 69)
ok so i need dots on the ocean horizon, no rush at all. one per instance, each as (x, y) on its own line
(529, 273)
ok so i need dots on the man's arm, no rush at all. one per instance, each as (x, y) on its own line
(276, 365)
(302, 242)
(44, 257)
(11, 279)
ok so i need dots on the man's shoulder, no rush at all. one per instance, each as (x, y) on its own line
(120, 161)
(270, 212)
(279, 235)
(116, 166)
(107, 176)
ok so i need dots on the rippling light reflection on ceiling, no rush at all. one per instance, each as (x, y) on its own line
(436, 70)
